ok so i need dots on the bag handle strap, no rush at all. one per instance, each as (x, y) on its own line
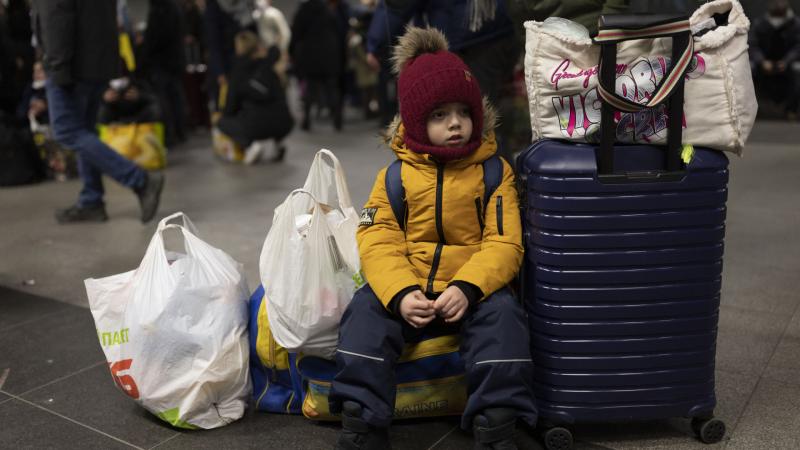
(342, 190)
(682, 48)
(303, 191)
(608, 37)
(156, 251)
(164, 223)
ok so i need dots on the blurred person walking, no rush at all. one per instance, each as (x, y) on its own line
(19, 35)
(317, 50)
(585, 12)
(274, 31)
(195, 83)
(479, 31)
(774, 49)
(79, 44)
(9, 91)
(223, 19)
(163, 62)
(193, 38)
(366, 79)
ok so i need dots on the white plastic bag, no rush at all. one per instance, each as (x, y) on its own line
(309, 265)
(174, 331)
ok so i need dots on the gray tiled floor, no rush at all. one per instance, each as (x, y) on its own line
(57, 392)
(26, 426)
(745, 345)
(90, 397)
(785, 364)
(771, 419)
(55, 347)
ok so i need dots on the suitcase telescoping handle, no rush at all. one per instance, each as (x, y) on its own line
(617, 28)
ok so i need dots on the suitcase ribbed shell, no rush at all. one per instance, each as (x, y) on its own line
(622, 283)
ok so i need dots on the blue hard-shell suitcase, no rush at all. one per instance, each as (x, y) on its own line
(621, 280)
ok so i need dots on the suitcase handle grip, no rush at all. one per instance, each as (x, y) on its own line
(641, 177)
(681, 47)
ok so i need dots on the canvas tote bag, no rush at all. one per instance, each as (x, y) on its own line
(561, 76)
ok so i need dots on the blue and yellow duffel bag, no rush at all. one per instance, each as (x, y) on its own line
(430, 375)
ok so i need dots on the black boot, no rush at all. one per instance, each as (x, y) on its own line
(357, 434)
(150, 194)
(75, 213)
(494, 429)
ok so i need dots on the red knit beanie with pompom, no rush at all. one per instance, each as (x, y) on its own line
(430, 76)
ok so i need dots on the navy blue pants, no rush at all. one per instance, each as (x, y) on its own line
(494, 346)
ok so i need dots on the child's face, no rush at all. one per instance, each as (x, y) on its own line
(450, 125)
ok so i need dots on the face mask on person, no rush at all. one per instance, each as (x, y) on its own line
(779, 17)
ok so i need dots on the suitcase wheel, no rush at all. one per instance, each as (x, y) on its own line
(558, 438)
(709, 431)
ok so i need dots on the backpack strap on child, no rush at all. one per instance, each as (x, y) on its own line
(492, 176)
(396, 192)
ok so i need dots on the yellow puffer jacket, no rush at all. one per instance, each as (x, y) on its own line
(443, 240)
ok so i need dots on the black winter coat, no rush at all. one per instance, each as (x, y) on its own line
(163, 39)
(256, 99)
(78, 39)
(219, 32)
(775, 44)
(316, 47)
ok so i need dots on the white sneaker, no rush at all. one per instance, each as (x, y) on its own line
(253, 153)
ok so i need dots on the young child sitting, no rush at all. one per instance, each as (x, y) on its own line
(445, 268)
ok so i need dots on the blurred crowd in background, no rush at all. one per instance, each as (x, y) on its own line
(227, 64)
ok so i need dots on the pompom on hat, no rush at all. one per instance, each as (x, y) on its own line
(429, 76)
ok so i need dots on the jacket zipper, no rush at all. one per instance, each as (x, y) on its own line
(437, 254)
(439, 188)
(478, 208)
(500, 214)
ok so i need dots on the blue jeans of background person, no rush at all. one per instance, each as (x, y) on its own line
(73, 115)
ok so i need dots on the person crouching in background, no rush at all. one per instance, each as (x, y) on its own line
(255, 108)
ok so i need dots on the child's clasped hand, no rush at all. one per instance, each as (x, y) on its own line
(418, 311)
(451, 304)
